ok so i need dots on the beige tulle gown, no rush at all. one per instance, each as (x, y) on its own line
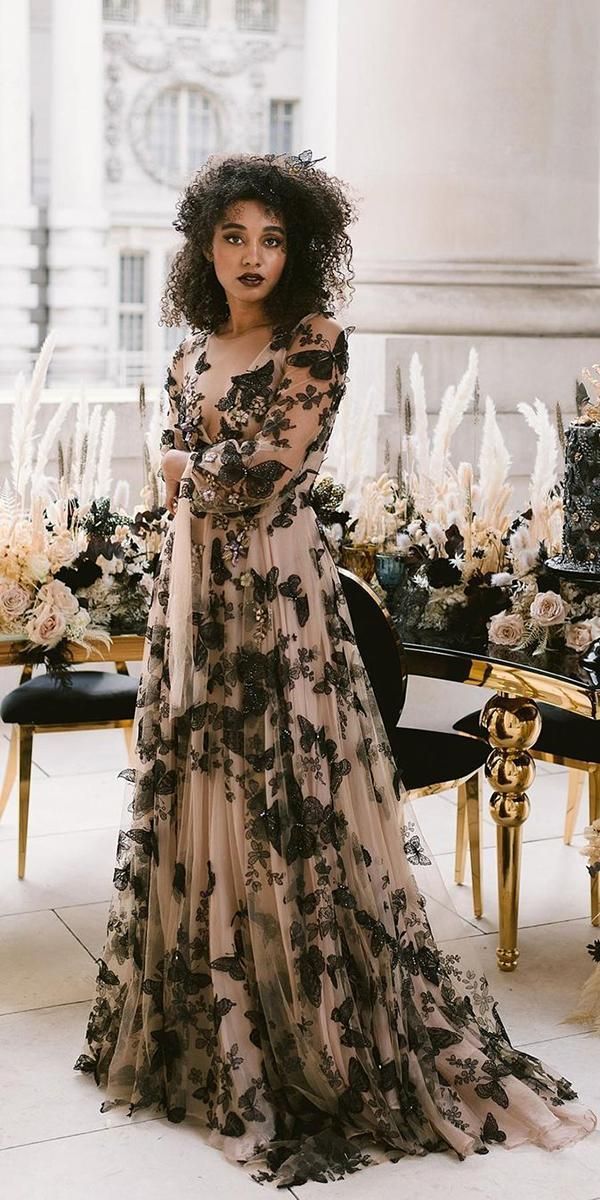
(269, 967)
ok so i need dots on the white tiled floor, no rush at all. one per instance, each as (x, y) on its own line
(54, 1142)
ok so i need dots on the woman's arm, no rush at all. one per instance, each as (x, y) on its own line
(172, 447)
(233, 475)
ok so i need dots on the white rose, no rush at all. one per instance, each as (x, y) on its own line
(403, 543)
(38, 565)
(61, 551)
(47, 626)
(506, 629)
(580, 635)
(548, 608)
(14, 601)
(58, 596)
(501, 579)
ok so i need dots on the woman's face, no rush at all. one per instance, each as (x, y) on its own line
(249, 251)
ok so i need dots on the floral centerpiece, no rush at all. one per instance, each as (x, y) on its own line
(74, 564)
(475, 568)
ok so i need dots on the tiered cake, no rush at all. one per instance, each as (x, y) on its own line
(581, 533)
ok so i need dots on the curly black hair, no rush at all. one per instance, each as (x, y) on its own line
(316, 210)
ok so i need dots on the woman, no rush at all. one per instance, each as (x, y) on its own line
(269, 967)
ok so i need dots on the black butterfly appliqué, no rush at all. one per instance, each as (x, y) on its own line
(415, 853)
(291, 589)
(322, 363)
(491, 1131)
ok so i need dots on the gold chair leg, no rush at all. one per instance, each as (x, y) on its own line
(25, 754)
(460, 856)
(129, 741)
(594, 799)
(121, 668)
(576, 781)
(474, 819)
(10, 773)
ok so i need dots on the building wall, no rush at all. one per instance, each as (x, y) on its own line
(239, 70)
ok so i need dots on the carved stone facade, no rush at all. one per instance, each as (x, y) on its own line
(178, 79)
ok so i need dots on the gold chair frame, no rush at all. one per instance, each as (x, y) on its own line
(578, 771)
(20, 755)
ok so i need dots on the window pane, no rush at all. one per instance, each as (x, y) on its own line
(162, 123)
(281, 126)
(132, 269)
(131, 331)
(187, 12)
(256, 14)
(120, 10)
(202, 138)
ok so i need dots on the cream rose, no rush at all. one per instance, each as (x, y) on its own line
(506, 629)
(47, 626)
(548, 608)
(58, 596)
(14, 601)
(581, 634)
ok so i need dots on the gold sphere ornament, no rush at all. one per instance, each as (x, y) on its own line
(510, 771)
(511, 722)
(509, 811)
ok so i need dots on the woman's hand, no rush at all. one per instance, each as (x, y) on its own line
(173, 465)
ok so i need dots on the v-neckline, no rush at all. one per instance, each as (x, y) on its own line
(201, 426)
(256, 357)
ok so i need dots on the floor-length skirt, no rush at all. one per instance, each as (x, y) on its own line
(269, 966)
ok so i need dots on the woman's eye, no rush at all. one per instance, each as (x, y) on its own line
(274, 241)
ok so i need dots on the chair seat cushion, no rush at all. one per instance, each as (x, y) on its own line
(88, 696)
(427, 758)
(563, 733)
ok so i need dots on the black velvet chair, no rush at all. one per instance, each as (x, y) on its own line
(429, 761)
(91, 700)
(573, 742)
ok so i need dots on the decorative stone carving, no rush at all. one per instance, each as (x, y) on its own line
(114, 100)
(148, 51)
(218, 52)
(255, 138)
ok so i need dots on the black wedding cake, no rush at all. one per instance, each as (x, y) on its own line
(581, 531)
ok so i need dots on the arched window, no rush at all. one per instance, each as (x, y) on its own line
(182, 129)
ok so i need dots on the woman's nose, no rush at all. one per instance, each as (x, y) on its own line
(252, 255)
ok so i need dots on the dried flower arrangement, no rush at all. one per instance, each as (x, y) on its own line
(74, 564)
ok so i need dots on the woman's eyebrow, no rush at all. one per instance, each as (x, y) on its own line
(267, 228)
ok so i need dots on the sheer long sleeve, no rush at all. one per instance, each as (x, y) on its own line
(232, 476)
(171, 437)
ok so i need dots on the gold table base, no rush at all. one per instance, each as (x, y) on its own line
(513, 725)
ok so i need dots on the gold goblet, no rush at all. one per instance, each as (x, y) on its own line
(359, 557)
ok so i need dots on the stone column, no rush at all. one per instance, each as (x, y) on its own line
(77, 220)
(18, 256)
(472, 131)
